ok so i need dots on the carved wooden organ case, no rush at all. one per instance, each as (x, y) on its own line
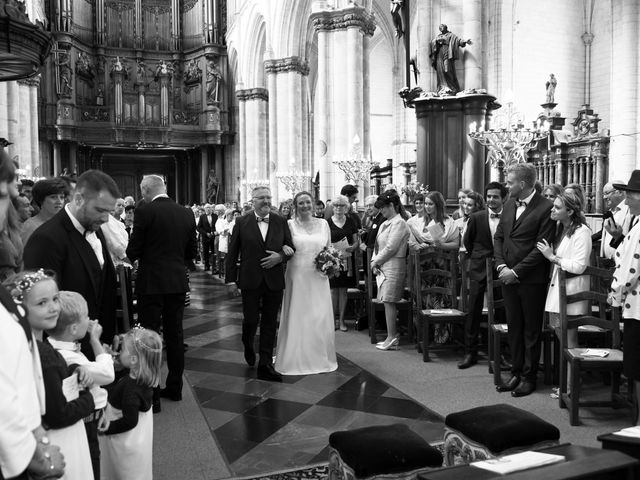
(137, 71)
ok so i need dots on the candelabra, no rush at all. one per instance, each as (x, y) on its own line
(355, 166)
(294, 180)
(509, 141)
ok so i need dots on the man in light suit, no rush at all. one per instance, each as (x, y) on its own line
(478, 240)
(525, 221)
(616, 226)
(162, 283)
(258, 241)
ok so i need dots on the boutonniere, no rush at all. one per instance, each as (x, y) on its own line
(375, 225)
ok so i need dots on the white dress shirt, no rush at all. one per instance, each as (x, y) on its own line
(520, 210)
(493, 222)
(263, 226)
(21, 396)
(101, 370)
(90, 237)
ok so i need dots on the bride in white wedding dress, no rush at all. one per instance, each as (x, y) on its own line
(306, 337)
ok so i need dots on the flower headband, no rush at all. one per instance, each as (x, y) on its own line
(26, 283)
(138, 342)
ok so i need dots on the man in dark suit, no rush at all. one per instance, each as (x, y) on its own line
(525, 221)
(162, 284)
(207, 229)
(73, 245)
(259, 240)
(478, 240)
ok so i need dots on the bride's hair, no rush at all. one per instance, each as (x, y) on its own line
(295, 200)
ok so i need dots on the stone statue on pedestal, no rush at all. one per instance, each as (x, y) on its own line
(551, 88)
(213, 81)
(443, 51)
(396, 16)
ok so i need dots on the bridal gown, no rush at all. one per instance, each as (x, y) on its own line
(306, 337)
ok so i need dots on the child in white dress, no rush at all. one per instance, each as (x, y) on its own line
(127, 444)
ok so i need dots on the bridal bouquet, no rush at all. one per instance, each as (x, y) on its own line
(328, 262)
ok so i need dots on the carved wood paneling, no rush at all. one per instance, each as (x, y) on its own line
(156, 25)
(83, 21)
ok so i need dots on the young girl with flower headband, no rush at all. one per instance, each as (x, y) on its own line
(127, 444)
(66, 404)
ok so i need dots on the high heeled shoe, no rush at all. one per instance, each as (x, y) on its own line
(392, 344)
(397, 337)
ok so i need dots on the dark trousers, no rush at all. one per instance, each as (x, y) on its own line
(207, 251)
(474, 317)
(166, 310)
(94, 446)
(524, 306)
(260, 305)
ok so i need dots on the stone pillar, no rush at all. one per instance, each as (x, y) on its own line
(472, 19)
(242, 143)
(322, 135)
(423, 18)
(343, 76)
(176, 15)
(100, 25)
(57, 159)
(624, 90)
(287, 79)
(272, 86)
(204, 172)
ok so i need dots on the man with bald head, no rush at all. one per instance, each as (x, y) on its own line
(163, 239)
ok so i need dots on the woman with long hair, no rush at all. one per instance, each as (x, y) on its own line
(442, 225)
(570, 252)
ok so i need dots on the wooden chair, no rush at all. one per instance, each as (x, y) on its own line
(436, 274)
(358, 293)
(124, 292)
(374, 305)
(497, 331)
(573, 360)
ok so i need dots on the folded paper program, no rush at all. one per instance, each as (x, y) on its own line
(518, 461)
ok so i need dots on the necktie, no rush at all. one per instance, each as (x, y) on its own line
(521, 203)
(494, 215)
(262, 219)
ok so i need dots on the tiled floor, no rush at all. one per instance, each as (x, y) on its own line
(263, 426)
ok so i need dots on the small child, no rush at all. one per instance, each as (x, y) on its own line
(66, 405)
(127, 443)
(73, 324)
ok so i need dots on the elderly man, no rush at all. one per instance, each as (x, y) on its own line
(162, 282)
(616, 223)
(206, 229)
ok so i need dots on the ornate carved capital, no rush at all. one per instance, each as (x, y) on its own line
(343, 19)
(288, 64)
(30, 82)
(252, 94)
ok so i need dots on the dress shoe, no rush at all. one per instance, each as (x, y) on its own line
(170, 394)
(510, 384)
(389, 345)
(525, 388)
(468, 361)
(250, 356)
(268, 373)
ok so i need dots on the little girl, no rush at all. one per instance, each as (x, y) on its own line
(127, 444)
(66, 405)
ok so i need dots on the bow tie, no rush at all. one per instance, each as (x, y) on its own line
(262, 219)
(521, 203)
(494, 215)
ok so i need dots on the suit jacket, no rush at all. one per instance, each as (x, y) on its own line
(163, 239)
(515, 240)
(247, 244)
(369, 237)
(479, 244)
(57, 245)
(205, 227)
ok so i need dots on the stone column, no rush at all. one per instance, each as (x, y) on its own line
(343, 77)
(176, 15)
(472, 19)
(242, 143)
(204, 172)
(624, 90)
(272, 86)
(287, 79)
(57, 159)
(322, 163)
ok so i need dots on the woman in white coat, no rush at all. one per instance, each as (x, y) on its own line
(571, 252)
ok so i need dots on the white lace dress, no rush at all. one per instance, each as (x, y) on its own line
(306, 337)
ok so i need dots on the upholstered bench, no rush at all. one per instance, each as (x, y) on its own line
(487, 432)
(386, 451)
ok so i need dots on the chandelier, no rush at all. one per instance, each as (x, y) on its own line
(355, 166)
(255, 183)
(509, 141)
(294, 180)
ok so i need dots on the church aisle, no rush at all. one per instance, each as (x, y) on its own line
(264, 427)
